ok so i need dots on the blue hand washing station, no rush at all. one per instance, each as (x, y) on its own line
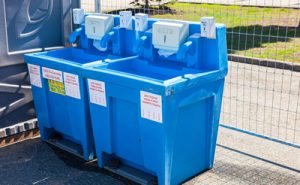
(159, 113)
(58, 87)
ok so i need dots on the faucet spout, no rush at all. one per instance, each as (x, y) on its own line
(183, 50)
(106, 39)
(141, 43)
(73, 36)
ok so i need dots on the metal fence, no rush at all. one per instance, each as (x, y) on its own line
(262, 91)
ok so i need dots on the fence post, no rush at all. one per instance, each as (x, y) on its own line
(98, 6)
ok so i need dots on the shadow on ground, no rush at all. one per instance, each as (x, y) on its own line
(251, 173)
(35, 162)
(242, 38)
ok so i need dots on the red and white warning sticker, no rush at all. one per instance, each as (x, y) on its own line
(71, 85)
(151, 106)
(97, 92)
(35, 75)
(52, 74)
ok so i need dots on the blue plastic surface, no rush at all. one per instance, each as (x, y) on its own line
(176, 139)
(65, 115)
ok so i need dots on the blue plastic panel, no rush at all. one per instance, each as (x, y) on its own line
(162, 113)
(27, 19)
(59, 89)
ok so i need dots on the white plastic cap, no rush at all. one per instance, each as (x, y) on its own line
(208, 27)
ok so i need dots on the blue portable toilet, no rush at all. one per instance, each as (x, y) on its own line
(58, 86)
(159, 113)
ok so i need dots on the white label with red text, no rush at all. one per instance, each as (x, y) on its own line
(151, 106)
(97, 92)
(35, 75)
(72, 85)
(52, 74)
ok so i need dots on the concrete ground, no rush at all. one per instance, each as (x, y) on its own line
(263, 100)
(240, 159)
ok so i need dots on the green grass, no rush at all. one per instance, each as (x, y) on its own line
(272, 33)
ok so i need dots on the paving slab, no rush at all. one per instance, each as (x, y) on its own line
(240, 159)
(263, 100)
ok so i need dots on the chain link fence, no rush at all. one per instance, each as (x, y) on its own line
(262, 91)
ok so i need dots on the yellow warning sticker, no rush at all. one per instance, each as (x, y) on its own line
(56, 87)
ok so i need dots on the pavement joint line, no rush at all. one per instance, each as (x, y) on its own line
(259, 158)
(259, 135)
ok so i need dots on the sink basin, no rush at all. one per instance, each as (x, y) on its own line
(74, 56)
(160, 71)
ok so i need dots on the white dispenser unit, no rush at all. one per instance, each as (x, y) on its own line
(96, 26)
(208, 27)
(126, 19)
(78, 16)
(168, 36)
(141, 22)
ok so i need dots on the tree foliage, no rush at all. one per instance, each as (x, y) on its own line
(143, 3)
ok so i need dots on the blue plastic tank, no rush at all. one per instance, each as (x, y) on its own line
(59, 89)
(159, 114)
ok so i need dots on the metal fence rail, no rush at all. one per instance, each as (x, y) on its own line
(257, 99)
